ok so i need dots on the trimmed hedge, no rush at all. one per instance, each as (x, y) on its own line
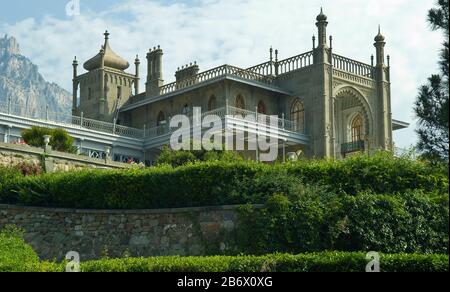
(312, 262)
(412, 222)
(18, 256)
(220, 183)
(15, 254)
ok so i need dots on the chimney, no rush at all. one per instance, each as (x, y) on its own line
(154, 71)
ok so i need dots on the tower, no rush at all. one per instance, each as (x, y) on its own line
(323, 124)
(383, 103)
(154, 71)
(105, 87)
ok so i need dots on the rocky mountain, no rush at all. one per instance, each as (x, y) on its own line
(21, 82)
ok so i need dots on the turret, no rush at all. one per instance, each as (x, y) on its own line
(137, 62)
(75, 86)
(379, 45)
(322, 29)
(154, 71)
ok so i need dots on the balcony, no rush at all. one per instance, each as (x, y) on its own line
(350, 147)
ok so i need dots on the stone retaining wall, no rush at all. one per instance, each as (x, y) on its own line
(51, 161)
(96, 233)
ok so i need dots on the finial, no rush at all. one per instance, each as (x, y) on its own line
(106, 34)
(379, 37)
(331, 42)
(314, 41)
(276, 55)
(388, 60)
(371, 59)
(321, 16)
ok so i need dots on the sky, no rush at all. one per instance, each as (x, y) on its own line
(235, 32)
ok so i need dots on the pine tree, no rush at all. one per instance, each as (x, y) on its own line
(432, 107)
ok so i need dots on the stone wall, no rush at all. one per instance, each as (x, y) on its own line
(93, 233)
(51, 161)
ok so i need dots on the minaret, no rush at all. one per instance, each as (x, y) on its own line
(322, 131)
(384, 124)
(379, 45)
(137, 62)
(103, 102)
(75, 86)
(322, 28)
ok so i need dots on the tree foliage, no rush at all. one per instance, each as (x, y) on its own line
(432, 106)
(60, 140)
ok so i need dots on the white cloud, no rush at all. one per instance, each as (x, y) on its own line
(214, 32)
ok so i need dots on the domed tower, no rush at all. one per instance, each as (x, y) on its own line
(105, 87)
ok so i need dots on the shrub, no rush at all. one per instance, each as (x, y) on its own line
(179, 158)
(27, 168)
(315, 221)
(310, 262)
(15, 254)
(60, 140)
(381, 173)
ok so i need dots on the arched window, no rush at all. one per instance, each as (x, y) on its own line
(298, 116)
(262, 108)
(212, 103)
(240, 102)
(161, 120)
(357, 129)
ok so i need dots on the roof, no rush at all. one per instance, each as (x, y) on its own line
(111, 59)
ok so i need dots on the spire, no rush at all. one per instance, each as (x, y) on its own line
(379, 37)
(322, 29)
(321, 16)
(106, 34)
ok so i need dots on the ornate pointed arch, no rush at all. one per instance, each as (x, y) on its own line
(352, 97)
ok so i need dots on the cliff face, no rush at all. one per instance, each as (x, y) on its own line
(21, 81)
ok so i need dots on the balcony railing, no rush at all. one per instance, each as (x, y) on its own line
(70, 120)
(352, 147)
(352, 66)
(294, 63)
(216, 73)
(280, 123)
(56, 119)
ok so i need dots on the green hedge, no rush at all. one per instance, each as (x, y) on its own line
(220, 183)
(15, 254)
(312, 262)
(411, 222)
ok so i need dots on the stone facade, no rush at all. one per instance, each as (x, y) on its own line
(53, 161)
(341, 105)
(94, 234)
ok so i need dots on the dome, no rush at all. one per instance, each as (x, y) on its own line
(379, 37)
(111, 59)
(321, 16)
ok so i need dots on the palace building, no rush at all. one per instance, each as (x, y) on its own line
(327, 105)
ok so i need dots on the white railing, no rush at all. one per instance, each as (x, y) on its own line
(266, 69)
(294, 63)
(69, 120)
(352, 66)
(213, 74)
(282, 124)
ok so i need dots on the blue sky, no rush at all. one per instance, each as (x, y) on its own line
(237, 32)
